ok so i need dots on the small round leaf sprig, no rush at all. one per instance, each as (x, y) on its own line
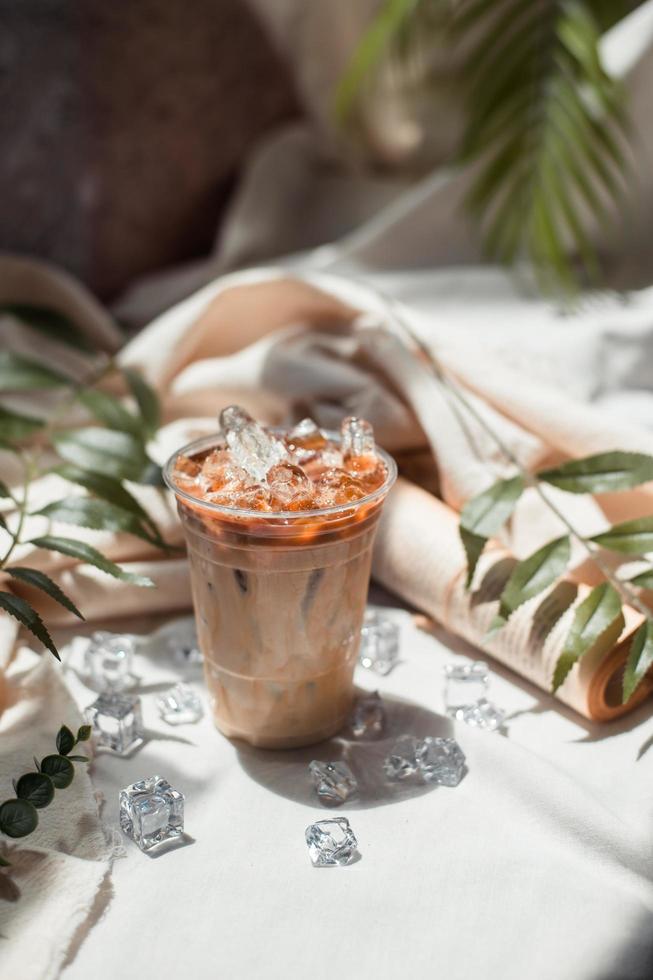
(36, 790)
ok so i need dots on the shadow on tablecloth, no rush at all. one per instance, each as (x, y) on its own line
(286, 772)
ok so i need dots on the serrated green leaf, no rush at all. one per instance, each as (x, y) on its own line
(36, 788)
(98, 515)
(473, 545)
(534, 574)
(91, 556)
(598, 612)
(65, 740)
(602, 473)
(23, 612)
(18, 373)
(105, 487)
(630, 537)
(484, 514)
(146, 399)
(84, 733)
(115, 454)
(644, 580)
(39, 580)
(14, 426)
(640, 659)
(108, 409)
(18, 818)
(60, 770)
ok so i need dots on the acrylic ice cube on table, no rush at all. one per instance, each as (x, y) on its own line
(151, 812)
(331, 842)
(108, 661)
(117, 722)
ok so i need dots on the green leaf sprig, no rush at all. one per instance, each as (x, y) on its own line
(98, 458)
(483, 516)
(546, 130)
(35, 790)
(600, 613)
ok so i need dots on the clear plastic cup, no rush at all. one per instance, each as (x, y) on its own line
(279, 602)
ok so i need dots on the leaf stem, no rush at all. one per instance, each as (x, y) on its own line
(30, 460)
(530, 479)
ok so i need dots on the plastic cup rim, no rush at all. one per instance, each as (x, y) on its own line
(205, 442)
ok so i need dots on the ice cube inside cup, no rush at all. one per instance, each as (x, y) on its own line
(279, 525)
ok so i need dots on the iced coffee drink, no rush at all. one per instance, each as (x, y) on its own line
(279, 528)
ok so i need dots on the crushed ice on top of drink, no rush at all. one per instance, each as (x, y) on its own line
(256, 470)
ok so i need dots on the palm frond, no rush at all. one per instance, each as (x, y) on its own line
(545, 128)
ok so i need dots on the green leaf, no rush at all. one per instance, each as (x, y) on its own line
(60, 770)
(15, 427)
(543, 123)
(534, 574)
(644, 580)
(599, 611)
(18, 373)
(473, 545)
(115, 454)
(375, 42)
(640, 659)
(108, 409)
(78, 758)
(36, 788)
(84, 733)
(485, 514)
(23, 612)
(65, 740)
(105, 487)
(631, 537)
(4, 863)
(146, 399)
(49, 322)
(18, 818)
(39, 580)
(4, 490)
(85, 553)
(602, 473)
(99, 515)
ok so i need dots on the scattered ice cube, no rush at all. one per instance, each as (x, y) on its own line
(180, 705)
(334, 781)
(108, 661)
(252, 448)
(357, 438)
(441, 760)
(187, 654)
(331, 842)
(402, 761)
(379, 649)
(117, 721)
(464, 685)
(483, 715)
(151, 812)
(368, 716)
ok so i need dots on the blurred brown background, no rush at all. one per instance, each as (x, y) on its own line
(123, 127)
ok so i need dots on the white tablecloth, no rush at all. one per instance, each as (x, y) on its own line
(538, 865)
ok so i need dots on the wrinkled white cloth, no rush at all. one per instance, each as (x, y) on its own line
(537, 865)
(49, 896)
